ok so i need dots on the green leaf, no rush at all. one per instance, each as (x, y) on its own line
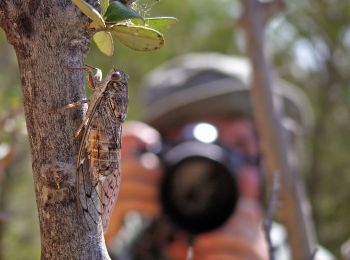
(138, 21)
(160, 23)
(90, 12)
(118, 12)
(104, 42)
(104, 6)
(139, 38)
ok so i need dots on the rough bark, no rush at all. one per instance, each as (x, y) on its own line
(48, 36)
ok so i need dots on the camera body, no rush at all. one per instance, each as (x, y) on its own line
(199, 189)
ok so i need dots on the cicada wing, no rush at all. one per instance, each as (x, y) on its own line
(110, 185)
(87, 181)
(109, 194)
(100, 180)
(87, 194)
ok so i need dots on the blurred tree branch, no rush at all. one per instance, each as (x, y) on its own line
(294, 211)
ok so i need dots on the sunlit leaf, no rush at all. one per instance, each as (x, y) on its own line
(139, 38)
(104, 6)
(90, 12)
(104, 42)
(160, 23)
(138, 21)
(118, 12)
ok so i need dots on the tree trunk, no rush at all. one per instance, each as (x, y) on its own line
(48, 36)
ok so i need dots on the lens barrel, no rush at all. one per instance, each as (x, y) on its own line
(199, 190)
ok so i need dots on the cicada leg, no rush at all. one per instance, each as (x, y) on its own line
(93, 78)
(72, 105)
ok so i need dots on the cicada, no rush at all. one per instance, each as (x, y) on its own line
(98, 162)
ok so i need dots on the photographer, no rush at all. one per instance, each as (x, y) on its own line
(191, 90)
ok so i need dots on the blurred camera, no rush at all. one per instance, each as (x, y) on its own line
(199, 189)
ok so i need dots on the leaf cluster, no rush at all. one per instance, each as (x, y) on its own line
(126, 24)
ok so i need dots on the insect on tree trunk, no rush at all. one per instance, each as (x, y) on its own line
(47, 37)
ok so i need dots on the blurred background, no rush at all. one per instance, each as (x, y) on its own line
(309, 45)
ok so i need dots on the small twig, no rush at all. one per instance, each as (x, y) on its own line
(273, 203)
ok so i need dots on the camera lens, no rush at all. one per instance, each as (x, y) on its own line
(199, 191)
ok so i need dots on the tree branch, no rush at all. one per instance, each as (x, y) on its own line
(296, 212)
(47, 36)
(270, 9)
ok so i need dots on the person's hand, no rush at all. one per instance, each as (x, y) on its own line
(240, 238)
(140, 176)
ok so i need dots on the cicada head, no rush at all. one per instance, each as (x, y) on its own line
(117, 77)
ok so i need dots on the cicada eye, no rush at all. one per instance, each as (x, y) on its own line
(116, 76)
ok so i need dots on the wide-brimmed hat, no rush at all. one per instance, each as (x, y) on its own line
(202, 84)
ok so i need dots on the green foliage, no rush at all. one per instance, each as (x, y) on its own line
(208, 27)
(118, 12)
(160, 23)
(126, 24)
(104, 42)
(139, 38)
(103, 6)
